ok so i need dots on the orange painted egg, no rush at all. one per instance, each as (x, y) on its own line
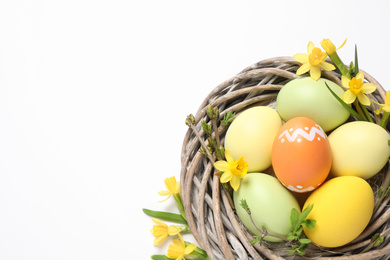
(301, 155)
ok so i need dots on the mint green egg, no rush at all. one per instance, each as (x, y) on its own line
(270, 204)
(310, 98)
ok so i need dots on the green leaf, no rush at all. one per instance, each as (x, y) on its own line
(356, 61)
(255, 240)
(298, 232)
(294, 218)
(375, 237)
(309, 223)
(348, 108)
(167, 216)
(292, 236)
(304, 241)
(206, 127)
(291, 251)
(379, 241)
(228, 118)
(305, 213)
(161, 257)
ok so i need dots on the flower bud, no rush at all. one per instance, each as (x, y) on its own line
(328, 46)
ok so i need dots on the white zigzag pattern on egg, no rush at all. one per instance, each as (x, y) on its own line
(300, 132)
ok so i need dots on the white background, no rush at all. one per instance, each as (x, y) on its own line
(94, 94)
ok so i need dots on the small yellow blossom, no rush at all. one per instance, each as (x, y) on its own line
(313, 61)
(178, 250)
(173, 188)
(357, 89)
(161, 231)
(329, 47)
(233, 171)
(386, 106)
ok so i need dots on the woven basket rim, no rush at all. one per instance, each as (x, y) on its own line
(206, 206)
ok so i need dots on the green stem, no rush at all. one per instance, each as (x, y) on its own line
(340, 65)
(167, 216)
(367, 115)
(179, 204)
(385, 118)
(359, 109)
(184, 229)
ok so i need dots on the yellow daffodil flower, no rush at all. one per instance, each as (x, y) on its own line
(173, 188)
(233, 171)
(178, 250)
(161, 231)
(357, 89)
(386, 106)
(329, 47)
(313, 61)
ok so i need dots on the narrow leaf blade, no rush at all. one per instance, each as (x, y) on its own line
(167, 216)
(350, 109)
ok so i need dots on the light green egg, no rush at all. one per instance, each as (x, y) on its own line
(359, 149)
(270, 204)
(310, 98)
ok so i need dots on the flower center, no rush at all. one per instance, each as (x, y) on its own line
(356, 85)
(316, 56)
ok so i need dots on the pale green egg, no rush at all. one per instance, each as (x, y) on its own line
(251, 136)
(270, 204)
(306, 97)
(359, 148)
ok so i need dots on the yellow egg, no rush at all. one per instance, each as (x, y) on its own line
(359, 149)
(251, 135)
(342, 209)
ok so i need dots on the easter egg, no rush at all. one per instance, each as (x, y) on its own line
(251, 136)
(269, 202)
(301, 155)
(359, 148)
(306, 97)
(342, 208)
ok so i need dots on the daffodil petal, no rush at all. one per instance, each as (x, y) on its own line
(165, 199)
(170, 183)
(386, 108)
(345, 81)
(363, 99)
(159, 231)
(327, 66)
(177, 187)
(226, 177)
(301, 58)
(342, 44)
(229, 157)
(235, 182)
(158, 222)
(189, 249)
(173, 230)
(310, 47)
(164, 193)
(158, 240)
(176, 249)
(360, 75)
(368, 88)
(303, 69)
(221, 166)
(387, 98)
(315, 72)
(348, 97)
(378, 111)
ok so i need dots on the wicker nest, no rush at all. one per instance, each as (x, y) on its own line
(210, 215)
